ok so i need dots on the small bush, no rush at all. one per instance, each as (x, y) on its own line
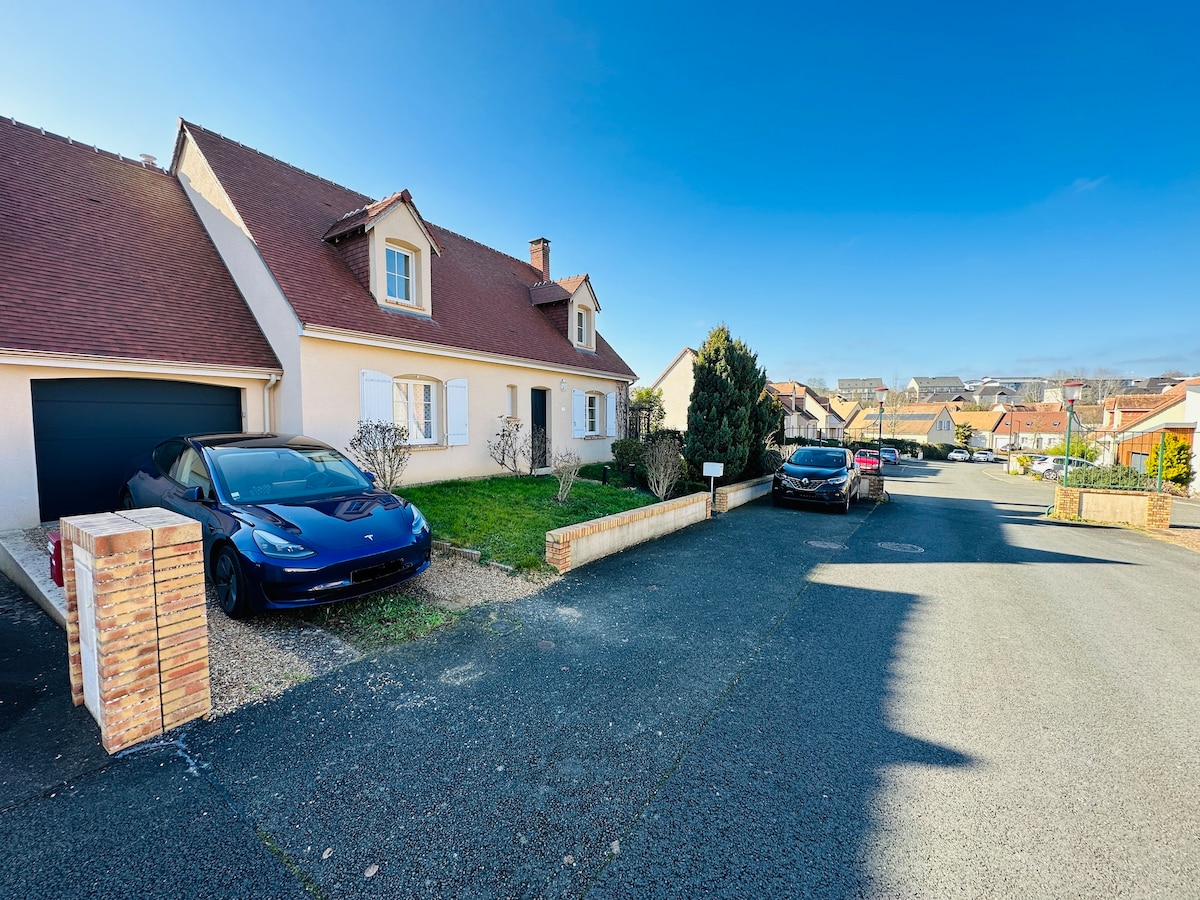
(506, 448)
(382, 449)
(627, 452)
(935, 451)
(664, 465)
(565, 467)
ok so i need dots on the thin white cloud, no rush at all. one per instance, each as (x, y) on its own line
(1082, 185)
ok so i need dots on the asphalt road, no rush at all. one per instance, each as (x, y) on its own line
(946, 695)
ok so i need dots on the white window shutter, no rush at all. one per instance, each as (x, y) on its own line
(374, 396)
(578, 415)
(456, 412)
(610, 414)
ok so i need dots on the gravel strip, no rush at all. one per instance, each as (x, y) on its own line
(255, 659)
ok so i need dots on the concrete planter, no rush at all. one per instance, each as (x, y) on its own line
(1137, 508)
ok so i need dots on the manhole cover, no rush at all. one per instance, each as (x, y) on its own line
(502, 626)
(901, 548)
(826, 545)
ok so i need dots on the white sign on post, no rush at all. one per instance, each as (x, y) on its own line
(713, 471)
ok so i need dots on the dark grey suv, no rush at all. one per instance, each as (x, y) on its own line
(827, 476)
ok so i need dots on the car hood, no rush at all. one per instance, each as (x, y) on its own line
(336, 523)
(814, 472)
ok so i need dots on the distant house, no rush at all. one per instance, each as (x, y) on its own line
(1139, 435)
(983, 427)
(862, 389)
(806, 414)
(1031, 430)
(940, 387)
(239, 293)
(924, 423)
(676, 383)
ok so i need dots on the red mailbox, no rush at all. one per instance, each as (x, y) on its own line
(54, 542)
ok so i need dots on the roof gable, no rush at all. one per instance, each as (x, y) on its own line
(145, 281)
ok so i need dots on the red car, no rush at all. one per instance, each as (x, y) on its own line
(868, 460)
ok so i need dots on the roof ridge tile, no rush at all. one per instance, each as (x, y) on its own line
(67, 139)
(282, 162)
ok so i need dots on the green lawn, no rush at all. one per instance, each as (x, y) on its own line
(506, 518)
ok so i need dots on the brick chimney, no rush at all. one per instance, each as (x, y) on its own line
(539, 256)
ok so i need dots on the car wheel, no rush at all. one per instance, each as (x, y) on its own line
(230, 584)
(845, 507)
(1050, 475)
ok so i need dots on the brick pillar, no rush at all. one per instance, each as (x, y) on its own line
(1066, 502)
(181, 613)
(137, 632)
(1158, 511)
(874, 486)
(112, 628)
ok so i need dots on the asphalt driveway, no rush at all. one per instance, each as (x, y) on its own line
(943, 695)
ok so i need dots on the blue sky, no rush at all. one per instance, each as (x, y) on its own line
(870, 189)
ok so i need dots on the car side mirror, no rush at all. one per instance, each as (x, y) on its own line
(371, 477)
(194, 494)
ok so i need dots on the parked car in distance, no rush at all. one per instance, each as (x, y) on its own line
(828, 476)
(958, 455)
(890, 455)
(286, 520)
(868, 460)
(1051, 468)
(983, 456)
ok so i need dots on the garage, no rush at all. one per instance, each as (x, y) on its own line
(87, 432)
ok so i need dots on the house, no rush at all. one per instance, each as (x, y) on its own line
(924, 423)
(940, 387)
(983, 427)
(676, 383)
(1177, 412)
(862, 389)
(1031, 429)
(377, 313)
(236, 292)
(119, 326)
(806, 414)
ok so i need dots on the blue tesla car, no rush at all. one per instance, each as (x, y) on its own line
(287, 521)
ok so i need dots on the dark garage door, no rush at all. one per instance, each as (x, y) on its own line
(87, 431)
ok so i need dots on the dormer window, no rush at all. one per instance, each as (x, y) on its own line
(400, 276)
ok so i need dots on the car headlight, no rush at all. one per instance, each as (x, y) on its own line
(837, 479)
(281, 548)
(419, 524)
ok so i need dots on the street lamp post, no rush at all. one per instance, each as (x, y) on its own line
(1071, 391)
(1010, 441)
(882, 392)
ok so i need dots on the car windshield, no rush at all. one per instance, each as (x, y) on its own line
(823, 459)
(283, 474)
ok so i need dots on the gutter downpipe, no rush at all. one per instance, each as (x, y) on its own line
(267, 388)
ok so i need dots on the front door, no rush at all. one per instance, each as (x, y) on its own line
(538, 434)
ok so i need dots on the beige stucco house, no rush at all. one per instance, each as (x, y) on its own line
(806, 414)
(236, 292)
(925, 423)
(676, 382)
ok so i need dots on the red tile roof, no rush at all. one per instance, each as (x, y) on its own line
(102, 256)
(480, 297)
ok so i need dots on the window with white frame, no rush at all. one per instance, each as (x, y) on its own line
(511, 401)
(583, 326)
(592, 414)
(434, 413)
(414, 404)
(400, 276)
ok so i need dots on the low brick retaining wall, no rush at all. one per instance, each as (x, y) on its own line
(1136, 508)
(569, 548)
(734, 495)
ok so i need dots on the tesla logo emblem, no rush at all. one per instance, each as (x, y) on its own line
(369, 537)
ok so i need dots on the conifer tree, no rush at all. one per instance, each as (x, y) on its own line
(728, 421)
